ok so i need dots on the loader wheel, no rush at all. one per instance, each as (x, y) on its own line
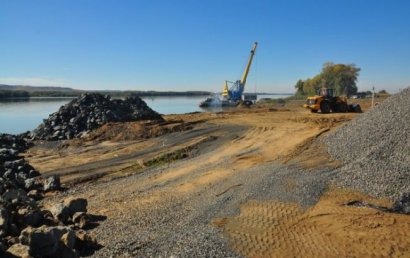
(313, 110)
(341, 107)
(355, 108)
(325, 107)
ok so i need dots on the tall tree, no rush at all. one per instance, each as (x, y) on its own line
(299, 87)
(340, 77)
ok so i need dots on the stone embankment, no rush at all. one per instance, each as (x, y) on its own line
(26, 228)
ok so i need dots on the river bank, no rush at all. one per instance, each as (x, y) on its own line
(218, 184)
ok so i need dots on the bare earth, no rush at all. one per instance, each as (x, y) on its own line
(249, 182)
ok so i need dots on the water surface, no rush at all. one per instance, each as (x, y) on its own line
(18, 116)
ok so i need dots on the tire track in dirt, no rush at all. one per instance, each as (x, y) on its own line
(329, 229)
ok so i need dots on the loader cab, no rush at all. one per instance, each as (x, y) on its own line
(325, 92)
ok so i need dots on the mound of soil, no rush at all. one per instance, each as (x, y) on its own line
(137, 130)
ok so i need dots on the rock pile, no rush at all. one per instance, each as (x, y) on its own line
(375, 149)
(89, 112)
(27, 230)
(15, 172)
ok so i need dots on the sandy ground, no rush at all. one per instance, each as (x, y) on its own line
(329, 229)
(245, 182)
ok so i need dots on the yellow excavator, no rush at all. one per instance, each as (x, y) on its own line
(326, 102)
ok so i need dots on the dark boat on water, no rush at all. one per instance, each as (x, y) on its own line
(215, 102)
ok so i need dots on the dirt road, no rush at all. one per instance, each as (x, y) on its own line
(247, 182)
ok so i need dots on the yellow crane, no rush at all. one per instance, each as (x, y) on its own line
(232, 96)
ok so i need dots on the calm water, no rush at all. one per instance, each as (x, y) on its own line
(20, 116)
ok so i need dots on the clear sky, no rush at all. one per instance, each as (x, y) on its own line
(197, 44)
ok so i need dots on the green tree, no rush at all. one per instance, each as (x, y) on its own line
(340, 77)
(299, 87)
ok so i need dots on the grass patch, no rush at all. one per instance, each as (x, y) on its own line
(168, 157)
(280, 101)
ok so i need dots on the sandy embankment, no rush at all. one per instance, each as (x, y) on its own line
(267, 162)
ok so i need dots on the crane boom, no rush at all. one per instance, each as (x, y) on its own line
(248, 66)
(232, 96)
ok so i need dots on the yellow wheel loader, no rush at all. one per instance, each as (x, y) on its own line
(325, 102)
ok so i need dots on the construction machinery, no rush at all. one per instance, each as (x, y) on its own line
(326, 102)
(233, 96)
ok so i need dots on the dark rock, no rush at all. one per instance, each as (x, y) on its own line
(81, 219)
(32, 183)
(61, 212)
(402, 205)
(2, 247)
(18, 250)
(13, 143)
(16, 197)
(45, 241)
(19, 211)
(31, 217)
(68, 239)
(4, 221)
(76, 205)
(85, 243)
(13, 231)
(35, 195)
(9, 174)
(33, 173)
(52, 183)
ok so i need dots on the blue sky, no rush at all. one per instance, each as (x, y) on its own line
(196, 45)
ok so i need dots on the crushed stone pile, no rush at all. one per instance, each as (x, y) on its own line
(27, 229)
(89, 112)
(375, 149)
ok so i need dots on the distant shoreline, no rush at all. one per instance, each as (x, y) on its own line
(26, 92)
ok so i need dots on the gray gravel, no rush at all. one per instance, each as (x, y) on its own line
(375, 149)
(181, 225)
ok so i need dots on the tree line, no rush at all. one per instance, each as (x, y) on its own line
(11, 94)
(341, 78)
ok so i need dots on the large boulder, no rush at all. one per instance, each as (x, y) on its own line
(65, 211)
(49, 241)
(76, 205)
(16, 197)
(52, 183)
(60, 212)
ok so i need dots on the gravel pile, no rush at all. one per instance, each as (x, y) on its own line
(89, 112)
(375, 149)
(26, 229)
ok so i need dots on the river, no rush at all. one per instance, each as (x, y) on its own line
(18, 116)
